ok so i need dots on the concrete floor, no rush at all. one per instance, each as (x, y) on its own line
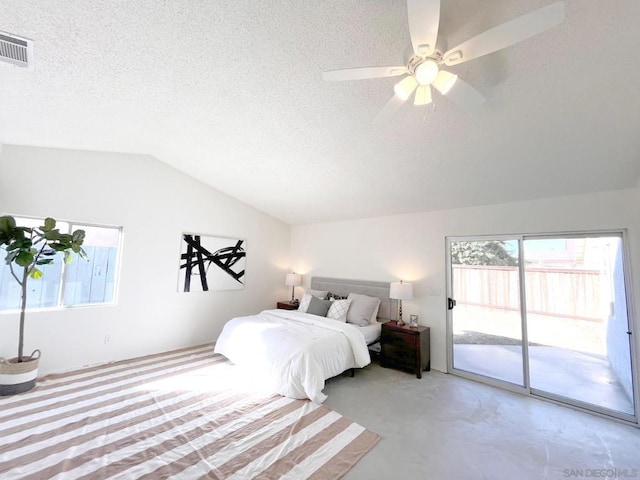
(448, 427)
(565, 372)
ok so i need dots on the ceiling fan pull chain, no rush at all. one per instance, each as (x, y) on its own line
(426, 108)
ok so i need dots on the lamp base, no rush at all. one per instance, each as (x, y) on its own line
(400, 322)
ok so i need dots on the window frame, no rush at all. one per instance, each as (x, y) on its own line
(60, 305)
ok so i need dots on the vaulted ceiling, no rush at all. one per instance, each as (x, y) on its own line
(231, 92)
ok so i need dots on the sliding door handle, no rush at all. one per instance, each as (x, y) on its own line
(450, 303)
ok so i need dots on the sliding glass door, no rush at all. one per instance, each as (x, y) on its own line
(546, 315)
(486, 322)
(579, 337)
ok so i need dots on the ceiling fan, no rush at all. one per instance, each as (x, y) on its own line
(425, 68)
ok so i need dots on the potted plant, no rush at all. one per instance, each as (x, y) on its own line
(28, 248)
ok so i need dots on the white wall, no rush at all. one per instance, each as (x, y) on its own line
(412, 246)
(155, 204)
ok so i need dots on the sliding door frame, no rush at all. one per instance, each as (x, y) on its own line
(526, 389)
(451, 294)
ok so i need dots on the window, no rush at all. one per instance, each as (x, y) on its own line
(81, 282)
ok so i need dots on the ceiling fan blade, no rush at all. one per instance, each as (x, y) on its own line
(424, 20)
(389, 110)
(364, 73)
(507, 34)
(465, 95)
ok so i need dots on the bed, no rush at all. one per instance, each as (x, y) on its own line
(294, 352)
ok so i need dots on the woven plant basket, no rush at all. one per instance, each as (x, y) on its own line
(18, 377)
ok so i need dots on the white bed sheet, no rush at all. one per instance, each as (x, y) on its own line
(295, 352)
(371, 332)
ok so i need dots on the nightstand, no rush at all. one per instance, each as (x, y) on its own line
(288, 305)
(405, 348)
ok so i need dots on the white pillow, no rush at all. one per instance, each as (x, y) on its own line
(338, 310)
(321, 294)
(304, 302)
(374, 316)
(363, 309)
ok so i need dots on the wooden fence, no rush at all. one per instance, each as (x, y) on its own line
(558, 292)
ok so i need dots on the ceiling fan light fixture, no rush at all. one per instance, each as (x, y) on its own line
(444, 81)
(426, 72)
(405, 87)
(423, 95)
(423, 68)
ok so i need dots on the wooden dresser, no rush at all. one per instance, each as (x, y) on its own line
(406, 348)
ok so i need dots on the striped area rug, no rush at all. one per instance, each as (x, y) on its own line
(182, 414)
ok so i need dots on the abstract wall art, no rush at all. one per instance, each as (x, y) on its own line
(211, 263)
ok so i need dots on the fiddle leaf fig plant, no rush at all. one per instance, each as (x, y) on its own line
(33, 247)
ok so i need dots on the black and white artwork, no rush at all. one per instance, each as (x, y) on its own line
(211, 263)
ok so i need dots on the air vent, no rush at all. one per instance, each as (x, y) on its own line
(15, 50)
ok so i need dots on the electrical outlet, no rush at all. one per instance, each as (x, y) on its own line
(107, 339)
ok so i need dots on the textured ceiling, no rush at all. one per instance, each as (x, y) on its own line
(231, 92)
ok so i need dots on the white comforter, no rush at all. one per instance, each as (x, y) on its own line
(295, 351)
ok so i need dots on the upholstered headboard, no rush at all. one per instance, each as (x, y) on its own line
(388, 307)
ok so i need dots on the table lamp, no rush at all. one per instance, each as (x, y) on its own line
(293, 280)
(401, 291)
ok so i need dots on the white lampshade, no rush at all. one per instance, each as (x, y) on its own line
(444, 81)
(423, 95)
(405, 87)
(293, 280)
(401, 291)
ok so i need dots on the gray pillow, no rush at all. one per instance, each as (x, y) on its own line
(318, 307)
(362, 309)
(321, 294)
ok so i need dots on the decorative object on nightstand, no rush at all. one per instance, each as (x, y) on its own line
(413, 321)
(288, 305)
(401, 291)
(406, 348)
(293, 280)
